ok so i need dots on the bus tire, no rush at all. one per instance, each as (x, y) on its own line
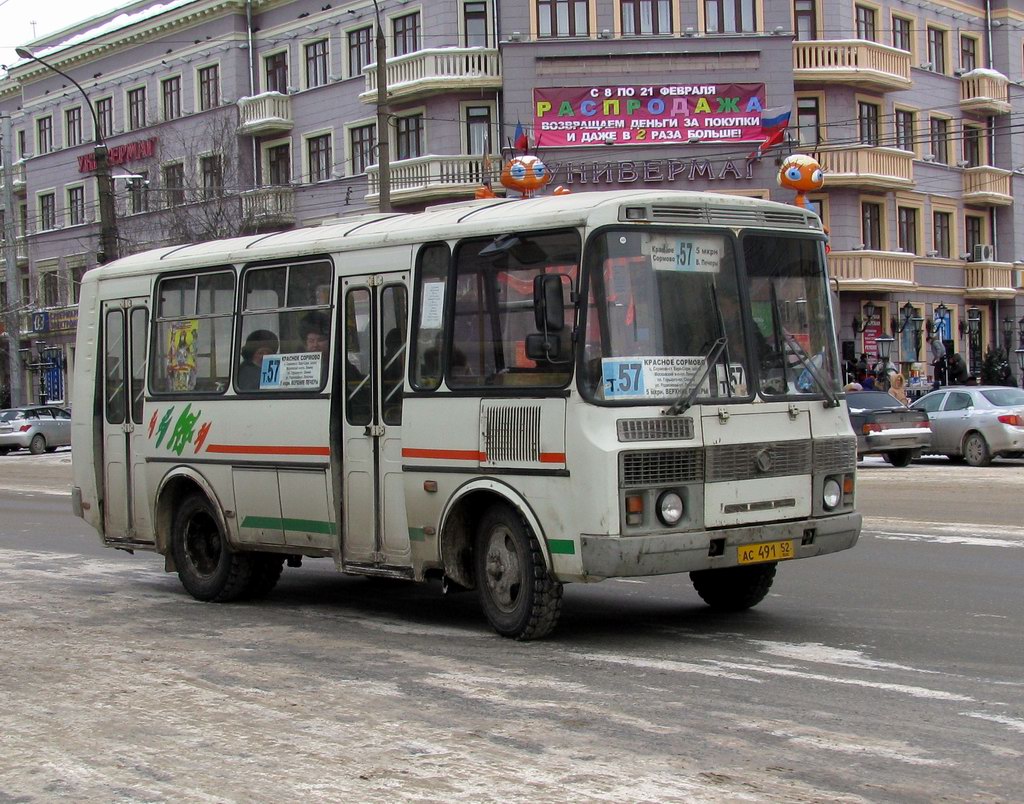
(517, 593)
(208, 569)
(734, 588)
(266, 571)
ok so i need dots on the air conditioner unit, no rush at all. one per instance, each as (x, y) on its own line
(984, 252)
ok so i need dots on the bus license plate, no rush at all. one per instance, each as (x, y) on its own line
(765, 551)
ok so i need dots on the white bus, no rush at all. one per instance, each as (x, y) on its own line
(504, 395)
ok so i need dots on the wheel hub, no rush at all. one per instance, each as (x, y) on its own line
(503, 569)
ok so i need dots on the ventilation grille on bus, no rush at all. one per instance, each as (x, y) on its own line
(835, 455)
(512, 433)
(734, 216)
(661, 429)
(660, 467)
(768, 459)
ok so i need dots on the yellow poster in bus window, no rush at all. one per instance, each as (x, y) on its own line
(181, 355)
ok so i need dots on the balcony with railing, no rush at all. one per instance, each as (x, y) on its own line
(866, 166)
(428, 178)
(984, 92)
(989, 280)
(856, 62)
(987, 186)
(17, 176)
(872, 270)
(265, 113)
(268, 207)
(428, 72)
(21, 251)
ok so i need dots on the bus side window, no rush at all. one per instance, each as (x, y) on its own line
(357, 363)
(393, 315)
(427, 348)
(113, 367)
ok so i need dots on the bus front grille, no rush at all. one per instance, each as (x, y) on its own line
(663, 428)
(661, 467)
(765, 459)
(835, 455)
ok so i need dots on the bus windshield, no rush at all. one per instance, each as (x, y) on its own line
(666, 319)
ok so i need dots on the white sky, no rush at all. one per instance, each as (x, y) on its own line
(16, 17)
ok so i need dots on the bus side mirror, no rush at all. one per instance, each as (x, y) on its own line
(548, 304)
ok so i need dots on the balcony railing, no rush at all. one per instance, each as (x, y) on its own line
(984, 92)
(427, 72)
(989, 280)
(265, 113)
(872, 270)
(852, 61)
(21, 250)
(268, 207)
(987, 186)
(430, 177)
(17, 176)
(866, 166)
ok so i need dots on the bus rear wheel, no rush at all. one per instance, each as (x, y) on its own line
(207, 567)
(517, 593)
(734, 588)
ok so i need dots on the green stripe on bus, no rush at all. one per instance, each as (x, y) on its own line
(564, 547)
(302, 525)
(417, 535)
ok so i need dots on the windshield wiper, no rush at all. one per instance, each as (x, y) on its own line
(689, 392)
(796, 349)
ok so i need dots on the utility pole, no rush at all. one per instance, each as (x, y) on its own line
(383, 145)
(13, 312)
(108, 249)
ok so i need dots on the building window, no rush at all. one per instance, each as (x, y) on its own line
(47, 211)
(76, 206)
(316, 64)
(901, 33)
(138, 193)
(170, 90)
(563, 17)
(871, 225)
(73, 126)
(646, 17)
(867, 27)
(105, 117)
(410, 136)
(474, 19)
(478, 130)
(136, 108)
(906, 218)
(939, 138)
(937, 49)
(44, 135)
(972, 146)
(209, 87)
(968, 53)
(903, 120)
(49, 289)
(362, 141)
(212, 172)
(805, 14)
(359, 50)
(867, 118)
(173, 177)
(808, 121)
(275, 68)
(941, 232)
(22, 145)
(318, 152)
(279, 165)
(974, 229)
(406, 32)
(730, 16)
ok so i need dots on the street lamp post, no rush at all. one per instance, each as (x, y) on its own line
(104, 182)
(884, 344)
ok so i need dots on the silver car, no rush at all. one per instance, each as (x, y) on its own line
(975, 423)
(37, 428)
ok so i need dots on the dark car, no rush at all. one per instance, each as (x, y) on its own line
(885, 426)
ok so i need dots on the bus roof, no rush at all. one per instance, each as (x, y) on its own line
(460, 218)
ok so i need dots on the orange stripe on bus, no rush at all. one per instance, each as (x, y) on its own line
(445, 454)
(249, 449)
(552, 457)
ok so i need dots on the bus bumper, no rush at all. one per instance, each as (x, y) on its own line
(663, 554)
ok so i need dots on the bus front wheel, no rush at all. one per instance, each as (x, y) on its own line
(734, 588)
(517, 593)
(207, 567)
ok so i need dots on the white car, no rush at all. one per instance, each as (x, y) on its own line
(37, 428)
(975, 423)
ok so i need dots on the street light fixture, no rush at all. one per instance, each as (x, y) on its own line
(870, 311)
(907, 312)
(974, 321)
(104, 183)
(1007, 334)
(884, 344)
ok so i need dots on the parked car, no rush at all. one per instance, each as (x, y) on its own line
(37, 428)
(885, 426)
(975, 423)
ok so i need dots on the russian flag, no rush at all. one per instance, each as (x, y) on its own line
(521, 141)
(774, 122)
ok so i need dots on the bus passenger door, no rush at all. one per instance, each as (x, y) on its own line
(125, 326)
(376, 531)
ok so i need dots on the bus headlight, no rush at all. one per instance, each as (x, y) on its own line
(831, 494)
(670, 508)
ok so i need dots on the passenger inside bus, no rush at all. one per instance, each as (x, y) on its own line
(261, 342)
(315, 332)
